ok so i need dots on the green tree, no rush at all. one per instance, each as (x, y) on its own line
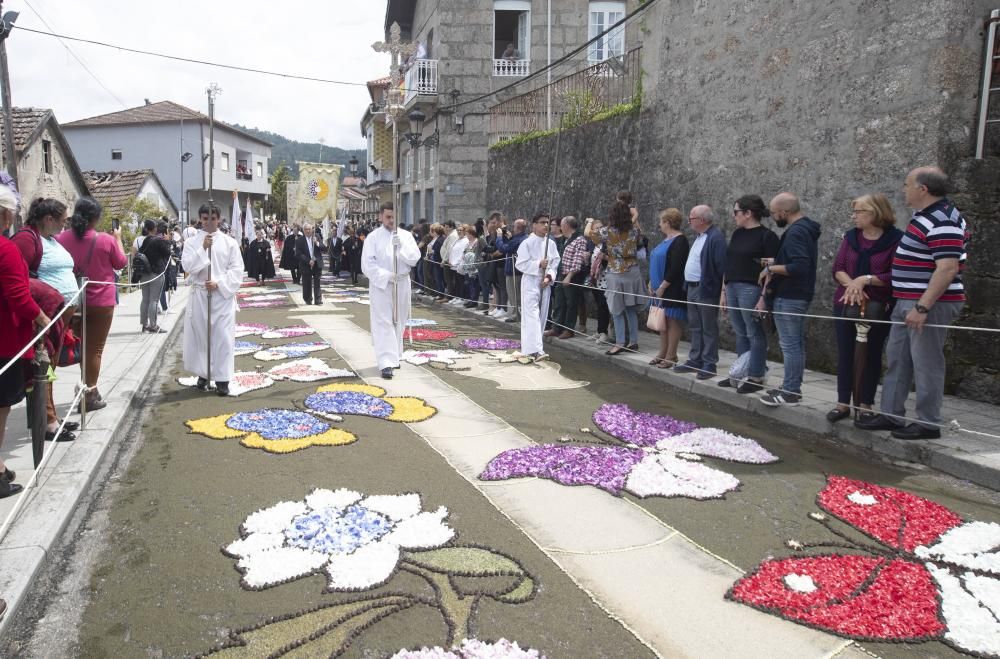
(276, 203)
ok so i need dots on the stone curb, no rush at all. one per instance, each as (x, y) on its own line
(982, 470)
(55, 498)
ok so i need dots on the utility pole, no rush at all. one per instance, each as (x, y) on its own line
(212, 91)
(6, 25)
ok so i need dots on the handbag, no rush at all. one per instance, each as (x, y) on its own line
(657, 319)
(867, 310)
(70, 351)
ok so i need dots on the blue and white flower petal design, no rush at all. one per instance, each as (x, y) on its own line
(356, 539)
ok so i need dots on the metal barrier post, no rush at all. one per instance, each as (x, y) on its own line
(83, 351)
(38, 401)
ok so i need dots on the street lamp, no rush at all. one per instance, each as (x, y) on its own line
(417, 119)
(353, 163)
(187, 155)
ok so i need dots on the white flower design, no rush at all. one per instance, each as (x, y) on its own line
(421, 357)
(355, 539)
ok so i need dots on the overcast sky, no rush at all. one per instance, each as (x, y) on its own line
(326, 39)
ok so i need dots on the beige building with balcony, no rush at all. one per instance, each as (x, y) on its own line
(467, 51)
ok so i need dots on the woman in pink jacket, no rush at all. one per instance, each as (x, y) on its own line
(96, 256)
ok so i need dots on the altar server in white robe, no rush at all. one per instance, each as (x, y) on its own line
(377, 265)
(227, 275)
(538, 260)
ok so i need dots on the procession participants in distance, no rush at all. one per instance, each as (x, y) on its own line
(352, 253)
(377, 262)
(288, 260)
(309, 254)
(260, 264)
(335, 247)
(538, 262)
(227, 274)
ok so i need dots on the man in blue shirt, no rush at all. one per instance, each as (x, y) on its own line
(508, 244)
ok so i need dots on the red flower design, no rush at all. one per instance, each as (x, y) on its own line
(420, 334)
(912, 586)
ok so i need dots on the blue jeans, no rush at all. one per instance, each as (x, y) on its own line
(749, 331)
(632, 318)
(438, 271)
(792, 339)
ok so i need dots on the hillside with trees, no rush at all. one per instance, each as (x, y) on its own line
(291, 151)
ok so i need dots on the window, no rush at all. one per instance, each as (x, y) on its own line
(224, 166)
(260, 170)
(47, 155)
(116, 154)
(602, 16)
(511, 36)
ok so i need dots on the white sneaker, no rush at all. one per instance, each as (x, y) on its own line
(498, 313)
(456, 301)
(541, 357)
(602, 338)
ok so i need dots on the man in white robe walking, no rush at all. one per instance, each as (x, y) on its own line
(386, 259)
(227, 274)
(538, 260)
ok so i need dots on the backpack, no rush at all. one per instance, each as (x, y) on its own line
(140, 262)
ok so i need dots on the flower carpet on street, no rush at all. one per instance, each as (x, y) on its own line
(930, 575)
(247, 348)
(273, 430)
(335, 400)
(294, 332)
(654, 455)
(418, 334)
(491, 343)
(289, 351)
(265, 297)
(250, 329)
(421, 357)
(473, 649)
(263, 304)
(307, 370)
(420, 322)
(525, 376)
(241, 382)
(358, 543)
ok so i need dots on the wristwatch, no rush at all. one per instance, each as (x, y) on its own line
(921, 309)
(869, 279)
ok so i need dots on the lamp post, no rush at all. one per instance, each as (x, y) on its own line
(187, 155)
(6, 25)
(415, 137)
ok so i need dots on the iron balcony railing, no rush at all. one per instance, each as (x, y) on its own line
(421, 79)
(511, 68)
(573, 99)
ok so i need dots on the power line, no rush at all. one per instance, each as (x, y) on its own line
(190, 60)
(75, 56)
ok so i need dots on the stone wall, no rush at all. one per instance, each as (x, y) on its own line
(828, 101)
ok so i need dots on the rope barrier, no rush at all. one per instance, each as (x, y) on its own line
(41, 334)
(953, 425)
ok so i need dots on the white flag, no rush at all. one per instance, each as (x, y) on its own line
(235, 226)
(248, 220)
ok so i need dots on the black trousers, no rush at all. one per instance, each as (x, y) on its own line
(603, 313)
(310, 281)
(847, 333)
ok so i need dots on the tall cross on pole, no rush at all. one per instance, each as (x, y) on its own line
(399, 51)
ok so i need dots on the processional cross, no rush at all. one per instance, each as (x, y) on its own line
(400, 51)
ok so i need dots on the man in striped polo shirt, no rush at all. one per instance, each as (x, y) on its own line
(927, 287)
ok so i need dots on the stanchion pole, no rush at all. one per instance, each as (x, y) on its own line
(39, 398)
(83, 351)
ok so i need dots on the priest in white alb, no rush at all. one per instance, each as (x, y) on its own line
(386, 259)
(538, 260)
(220, 288)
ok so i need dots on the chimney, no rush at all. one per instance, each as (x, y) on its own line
(147, 101)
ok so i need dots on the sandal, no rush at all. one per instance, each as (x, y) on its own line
(655, 361)
(633, 347)
(617, 350)
(665, 364)
(64, 436)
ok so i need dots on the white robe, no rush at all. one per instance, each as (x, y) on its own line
(534, 301)
(227, 272)
(376, 264)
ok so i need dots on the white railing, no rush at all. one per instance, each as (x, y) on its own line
(509, 68)
(421, 79)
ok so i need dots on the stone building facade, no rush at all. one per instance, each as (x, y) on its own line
(463, 44)
(827, 100)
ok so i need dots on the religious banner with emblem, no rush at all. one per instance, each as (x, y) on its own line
(318, 190)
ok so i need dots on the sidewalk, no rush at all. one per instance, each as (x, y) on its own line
(129, 359)
(961, 454)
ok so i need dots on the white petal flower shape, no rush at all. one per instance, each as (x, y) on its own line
(357, 540)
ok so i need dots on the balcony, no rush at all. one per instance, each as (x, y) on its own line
(421, 80)
(511, 68)
(243, 176)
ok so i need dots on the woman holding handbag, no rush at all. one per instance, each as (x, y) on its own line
(666, 281)
(862, 271)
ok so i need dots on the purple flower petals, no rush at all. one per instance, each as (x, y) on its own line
(349, 402)
(606, 467)
(638, 428)
(487, 343)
